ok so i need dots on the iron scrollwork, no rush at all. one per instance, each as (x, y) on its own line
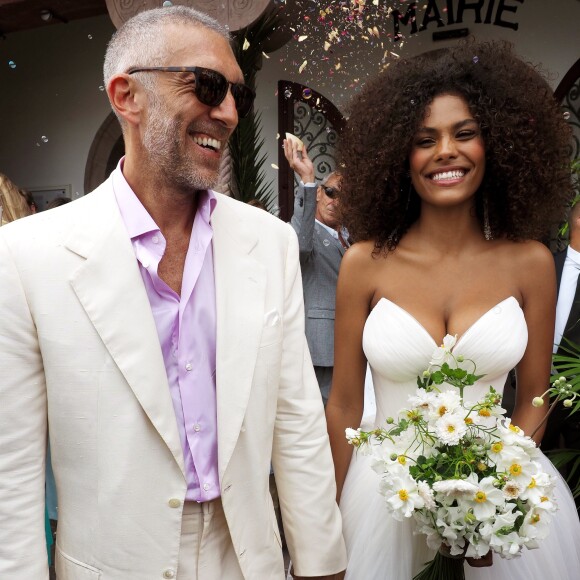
(319, 136)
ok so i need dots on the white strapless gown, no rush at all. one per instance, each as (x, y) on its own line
(398, 349)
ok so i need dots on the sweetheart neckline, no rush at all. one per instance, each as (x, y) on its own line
(426, 332)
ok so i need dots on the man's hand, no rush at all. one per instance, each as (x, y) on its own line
(299, 161)
(482, 562)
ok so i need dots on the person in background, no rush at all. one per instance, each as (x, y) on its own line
(563, 428)
(157, 326)
(29, 200)
(57, 202)
(13, 203)
(322, 241)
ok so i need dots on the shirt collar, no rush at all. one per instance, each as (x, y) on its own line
(573, 255)
(136, 218)
(333, 232)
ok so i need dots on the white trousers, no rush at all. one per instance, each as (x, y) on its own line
(206, 551)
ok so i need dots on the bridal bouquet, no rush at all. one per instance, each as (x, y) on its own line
(467, 476)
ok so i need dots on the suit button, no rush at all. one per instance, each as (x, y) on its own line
(174, 503)
(169, 573)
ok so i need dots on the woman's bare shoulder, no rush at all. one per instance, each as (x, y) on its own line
(528, 254)
(359, 255)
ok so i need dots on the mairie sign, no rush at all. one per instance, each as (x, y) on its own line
(495, 12)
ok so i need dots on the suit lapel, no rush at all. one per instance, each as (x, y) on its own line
(240, 282)
(572, 328)
(333, 242)
(110, 288)
(559, 259)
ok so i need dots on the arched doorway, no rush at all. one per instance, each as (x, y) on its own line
(106, 150)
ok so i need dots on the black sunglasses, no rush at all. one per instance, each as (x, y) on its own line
(211, 87)
(330, 191)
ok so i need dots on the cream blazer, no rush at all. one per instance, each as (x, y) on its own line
(79, 354)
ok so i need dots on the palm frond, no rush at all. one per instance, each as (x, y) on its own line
(246, 144)
(568, 461)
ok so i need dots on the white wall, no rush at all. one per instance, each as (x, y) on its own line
(54, 89)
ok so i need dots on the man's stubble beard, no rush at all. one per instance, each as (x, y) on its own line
(167, 155)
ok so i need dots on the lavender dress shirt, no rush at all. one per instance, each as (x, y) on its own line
(186, 326)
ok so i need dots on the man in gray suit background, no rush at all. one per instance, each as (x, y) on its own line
(563, 429)
(322, 242)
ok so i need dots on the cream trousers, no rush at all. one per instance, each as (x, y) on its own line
(206, 551)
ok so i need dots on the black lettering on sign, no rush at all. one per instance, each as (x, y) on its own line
(482, 10)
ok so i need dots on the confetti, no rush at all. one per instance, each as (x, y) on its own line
(302, 66)
(246, 44)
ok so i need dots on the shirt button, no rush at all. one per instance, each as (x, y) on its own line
(197, 427)
(188, 366)
(169, 573)
(145, 265)
(174, 503)
(206, 486)
(155, 239)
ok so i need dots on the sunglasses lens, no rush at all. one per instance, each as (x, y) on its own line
(330, 192)
(244, 98)
(210, 87)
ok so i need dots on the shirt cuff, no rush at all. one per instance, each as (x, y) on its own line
(307, 184)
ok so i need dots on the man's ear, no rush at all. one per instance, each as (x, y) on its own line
(318, 192)
(126, 97)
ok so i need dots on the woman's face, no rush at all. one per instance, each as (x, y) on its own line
(447, 158)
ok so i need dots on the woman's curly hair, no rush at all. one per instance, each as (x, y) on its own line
(527, 143)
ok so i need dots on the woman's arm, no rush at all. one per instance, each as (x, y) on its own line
(345, 404)
(539, 306)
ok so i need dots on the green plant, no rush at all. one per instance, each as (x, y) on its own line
(567, 365)
(246, 143)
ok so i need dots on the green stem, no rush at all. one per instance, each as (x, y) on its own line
(552, 407)
(442, 568)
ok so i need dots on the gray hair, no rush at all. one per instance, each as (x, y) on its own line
(141, 41)
(327, 178)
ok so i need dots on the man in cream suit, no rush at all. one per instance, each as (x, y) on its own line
(155, 328)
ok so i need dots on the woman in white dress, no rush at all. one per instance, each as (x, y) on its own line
(454, 164)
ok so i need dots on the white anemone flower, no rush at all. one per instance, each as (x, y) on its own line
(536, 525)
(518, 466)
(485, 501)
(450, 428)
(445, 402)
(402, 495)
(423, 400)
(539, 488)
(443, 353)
(513, 435)
(512, 489)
